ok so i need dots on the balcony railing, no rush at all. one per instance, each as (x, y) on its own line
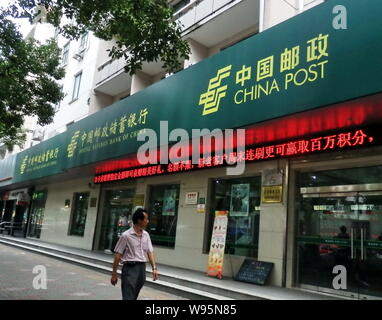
(197, 10)
(189, 15)
(109, 69)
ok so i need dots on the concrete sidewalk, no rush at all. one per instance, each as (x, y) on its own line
(188, 283)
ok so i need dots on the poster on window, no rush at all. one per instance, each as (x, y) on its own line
(169, 202)
(239, 200)
(216, 256)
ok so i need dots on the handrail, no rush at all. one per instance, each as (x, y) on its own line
(185, 9)
(10, 226)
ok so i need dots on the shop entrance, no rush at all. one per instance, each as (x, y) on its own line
(340, 227)
(37, 214)
(116, 216)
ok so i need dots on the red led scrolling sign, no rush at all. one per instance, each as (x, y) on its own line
(335, 142)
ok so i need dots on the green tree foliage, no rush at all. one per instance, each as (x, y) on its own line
(143, 29)
(28, 82)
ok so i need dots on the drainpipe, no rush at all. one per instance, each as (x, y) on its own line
(261, 15)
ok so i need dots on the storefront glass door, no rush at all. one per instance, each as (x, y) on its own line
(341, 234)
(370, 246)
(117, 214)
(37, 214)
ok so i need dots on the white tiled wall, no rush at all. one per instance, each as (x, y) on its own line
(57, 217)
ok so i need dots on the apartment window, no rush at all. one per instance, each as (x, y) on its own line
(65, 54)
(76, 86)
(163, 210)
(79, 212)
(84, 41)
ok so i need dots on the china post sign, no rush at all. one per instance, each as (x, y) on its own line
(300, 64)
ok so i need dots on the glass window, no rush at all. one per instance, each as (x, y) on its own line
(65, 54)
(76, 86)
(84, 41)
(163, 213)
(241, 198)
(341, 177)
(80, 210)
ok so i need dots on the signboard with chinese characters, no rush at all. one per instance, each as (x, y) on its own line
(298, 65)
(201, 207)
(272, 177)
(191, 198)
(272, 194)
(218, 241)
(45, 159)
(332, 142)
(254, 271)
(109, 133)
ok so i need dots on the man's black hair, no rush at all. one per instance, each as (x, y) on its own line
(139, 215)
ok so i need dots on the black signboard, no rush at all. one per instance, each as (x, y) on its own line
(254, 271)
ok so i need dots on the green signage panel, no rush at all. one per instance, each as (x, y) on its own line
(301, 64)
(45, 159)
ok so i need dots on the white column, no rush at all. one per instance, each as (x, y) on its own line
(139, 81)
(198, 53)
(277, 11)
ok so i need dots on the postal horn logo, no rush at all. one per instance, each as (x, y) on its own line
(216, 91)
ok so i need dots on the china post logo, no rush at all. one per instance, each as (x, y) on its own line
(216, 91)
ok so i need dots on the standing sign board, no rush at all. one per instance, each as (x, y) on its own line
(254, 271)
(216, 256)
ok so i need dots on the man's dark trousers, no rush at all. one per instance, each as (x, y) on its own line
(133, 278)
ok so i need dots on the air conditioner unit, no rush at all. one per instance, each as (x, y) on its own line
(3, 152)
(38, 135)
(78, 56)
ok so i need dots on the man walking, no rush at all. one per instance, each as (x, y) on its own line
(131, 250)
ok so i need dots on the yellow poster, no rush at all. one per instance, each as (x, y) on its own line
(216, 256)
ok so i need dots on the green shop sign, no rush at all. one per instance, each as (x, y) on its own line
(45, 159)
(301, 64)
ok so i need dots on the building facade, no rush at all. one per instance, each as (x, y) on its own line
(307, 93)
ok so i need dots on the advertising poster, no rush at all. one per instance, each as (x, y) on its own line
(239, 200)
(216, 256)
(169, 202)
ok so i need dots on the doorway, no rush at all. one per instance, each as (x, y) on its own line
(116, 217)
(37, 214)
(340, 226)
